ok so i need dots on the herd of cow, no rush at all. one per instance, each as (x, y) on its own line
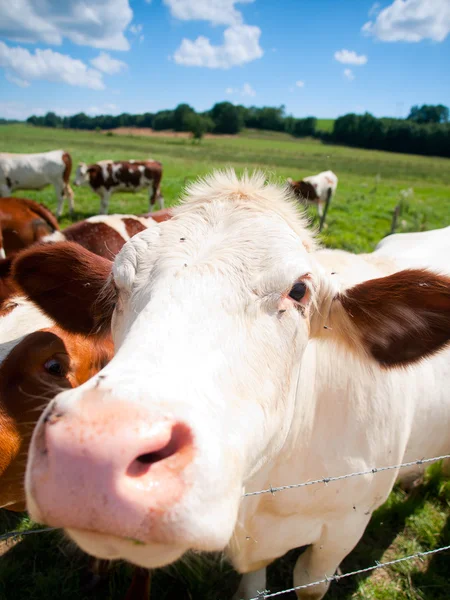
(208, 351)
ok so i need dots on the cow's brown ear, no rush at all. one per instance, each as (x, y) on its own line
(398, 319)
(70, 284)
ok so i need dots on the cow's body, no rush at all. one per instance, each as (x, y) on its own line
(108, 176)
(316, 189)
(274, 364)
(36, 171)
(103, 235)
(24, 222)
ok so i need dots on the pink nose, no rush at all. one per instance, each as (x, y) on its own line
(109, 468)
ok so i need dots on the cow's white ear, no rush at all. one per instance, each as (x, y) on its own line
(397, 320)
(289, 179)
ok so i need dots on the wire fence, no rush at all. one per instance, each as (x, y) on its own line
(263, 595)
(267, 594)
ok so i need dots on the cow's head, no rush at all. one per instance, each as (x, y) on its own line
(81, 174)
(211, 313)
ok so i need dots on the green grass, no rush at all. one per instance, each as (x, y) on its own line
(46, 566)
(325, 125)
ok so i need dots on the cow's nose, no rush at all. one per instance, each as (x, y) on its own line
(109, 468)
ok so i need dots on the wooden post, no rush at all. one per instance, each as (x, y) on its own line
(324, 216)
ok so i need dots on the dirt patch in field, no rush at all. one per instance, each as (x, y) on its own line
(148, 132)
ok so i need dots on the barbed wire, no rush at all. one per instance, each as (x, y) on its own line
(267, 594)
(327, 480)
(16, 534)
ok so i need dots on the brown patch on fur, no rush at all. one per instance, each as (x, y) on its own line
(70, 284)
(159, 215)
(133, 226)
(67, 160)
(401, 318)
(99, 238)
(7, 287)
(95, 176)
(304, 190)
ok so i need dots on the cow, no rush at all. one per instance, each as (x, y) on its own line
(36, 171)
(109, 176)
(246, 358)
(36, 358)
(24, 222)
(316, 189)
(103, 235)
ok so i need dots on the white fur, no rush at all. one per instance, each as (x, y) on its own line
(270, 400)
(25, 318)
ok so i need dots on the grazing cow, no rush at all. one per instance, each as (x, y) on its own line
(245, 359)
(109, 176)
(37, 358)
(103, 234)
(36, 171)
(316, 189)
(24, 222)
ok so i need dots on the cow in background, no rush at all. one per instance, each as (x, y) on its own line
(108, 176)
(36, 171)
(316, 189)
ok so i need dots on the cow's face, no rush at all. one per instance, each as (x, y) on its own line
(211, 314)
(81, 175)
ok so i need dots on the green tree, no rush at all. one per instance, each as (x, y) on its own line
(429, 113)
(181, 116)
(227, 118)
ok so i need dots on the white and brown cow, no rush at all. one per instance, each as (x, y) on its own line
(245, 359)
(108, 176)
(103, 235)
(36, 171)
(316, 189)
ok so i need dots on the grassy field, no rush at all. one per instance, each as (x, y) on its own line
(46, 566)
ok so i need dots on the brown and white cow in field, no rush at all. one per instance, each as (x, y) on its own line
(24, 222)
(109, 176)
(245, 359)
(316, 189)
(103, 235)
(36, 171)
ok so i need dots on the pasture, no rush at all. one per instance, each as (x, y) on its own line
(370, 186)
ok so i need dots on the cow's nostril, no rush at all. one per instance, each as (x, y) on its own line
(178, 448)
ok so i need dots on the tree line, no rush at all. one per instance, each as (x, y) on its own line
(426, 130)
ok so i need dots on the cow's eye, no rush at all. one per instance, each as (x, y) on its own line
(55, 367)
(298, 291)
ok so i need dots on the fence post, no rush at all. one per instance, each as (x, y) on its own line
(395, 216)
(324, 216)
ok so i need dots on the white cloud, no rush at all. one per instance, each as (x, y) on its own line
(49, 66)
(240, 46)
(300, 84)
(136, 29)
(217, 12)
(141, 38)
(14, 110)
(104, 109)
(348, 74)
(247, 90)
(349, 57)
(374, 9)
(16, 80)
(97, 23)
(411, 21)
(105, 63)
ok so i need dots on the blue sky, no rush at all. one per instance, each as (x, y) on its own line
(317, 57)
